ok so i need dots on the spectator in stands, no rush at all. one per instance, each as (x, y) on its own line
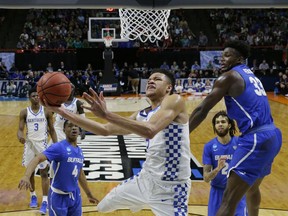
(195, 67)
(11, 88)
(209, 66)
(89, 68)
(174, 67)
(283, 85)
(274, 67)
(203, 39)
(30, 68)
(2, 66)
(254, 67)
(199, 85)
(49, 67)
(13, 68)
(208, 86)
(189, 87)
(30, 78)
(24, 90)
(263, 67)
(62, 66)
(284, 64)
(178, 86)
(165, 66)
(3, 70)
(133, 79)
(184, 69)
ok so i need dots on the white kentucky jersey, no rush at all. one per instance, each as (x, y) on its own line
(36, 124)
(168, 152)
(59, 120)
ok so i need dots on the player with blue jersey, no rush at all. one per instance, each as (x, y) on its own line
(260, 141)
(65, 197)
(217, 155)
(164, 182)
(37, 120)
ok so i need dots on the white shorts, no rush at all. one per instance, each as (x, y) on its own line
(164, 198)
(31, 149)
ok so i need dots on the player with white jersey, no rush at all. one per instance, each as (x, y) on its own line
(37, 120)
(72, 105)
(164, 182)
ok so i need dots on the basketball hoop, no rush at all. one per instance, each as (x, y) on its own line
(144, 25)
(108, 41)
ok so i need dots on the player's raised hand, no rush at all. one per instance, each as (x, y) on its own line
(97, 103)
(24, 183)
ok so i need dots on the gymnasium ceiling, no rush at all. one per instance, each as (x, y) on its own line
(145, 4)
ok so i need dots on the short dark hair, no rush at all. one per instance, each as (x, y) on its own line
(240, 46)
(34, 89)
(65, 123)
(232, 129)
(168, 74)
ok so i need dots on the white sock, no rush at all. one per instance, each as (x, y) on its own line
(44, 199)
(33, 193)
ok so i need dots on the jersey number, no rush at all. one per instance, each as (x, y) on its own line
(224, 170)
(75, 171)
(259, 90)
(36, 126)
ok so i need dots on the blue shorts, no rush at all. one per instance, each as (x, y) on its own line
(65, 204)
(215, 199)
(255, 153)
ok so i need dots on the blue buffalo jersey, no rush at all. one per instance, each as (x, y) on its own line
(67, 164)
(250, 109)
(213, 150)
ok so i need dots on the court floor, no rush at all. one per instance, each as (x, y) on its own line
(14, 202)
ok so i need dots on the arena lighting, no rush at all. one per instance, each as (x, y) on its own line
(110, 9)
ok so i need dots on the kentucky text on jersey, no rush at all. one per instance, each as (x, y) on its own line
(36, 120)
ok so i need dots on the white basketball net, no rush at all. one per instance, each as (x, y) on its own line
(144, 25)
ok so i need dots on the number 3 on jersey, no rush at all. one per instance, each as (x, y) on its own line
(36, 126)
(259, 90)
(75, 171)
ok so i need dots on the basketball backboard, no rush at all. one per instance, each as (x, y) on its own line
(101, 27)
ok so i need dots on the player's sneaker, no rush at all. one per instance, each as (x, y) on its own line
(43, 208)
(33, 202)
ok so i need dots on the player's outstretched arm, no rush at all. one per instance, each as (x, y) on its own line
(87, 124)
(25, 180)
(85, 187)
(171, 107)
(220, 89)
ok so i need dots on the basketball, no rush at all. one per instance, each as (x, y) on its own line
(54, 87)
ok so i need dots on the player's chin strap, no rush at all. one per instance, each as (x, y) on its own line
(55, 190)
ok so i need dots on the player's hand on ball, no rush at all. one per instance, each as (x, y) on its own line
(51, 108)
